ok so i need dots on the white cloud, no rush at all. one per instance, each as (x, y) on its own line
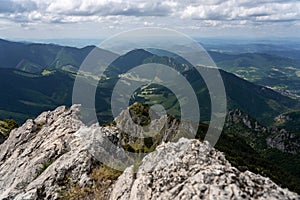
(190, 9)
(244, 10)
(190, 14)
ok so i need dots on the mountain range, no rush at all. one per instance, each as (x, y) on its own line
(261, 131)
(36, 77)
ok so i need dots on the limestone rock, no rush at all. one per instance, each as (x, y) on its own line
(274, 137)
(39, 156)
(190, 169)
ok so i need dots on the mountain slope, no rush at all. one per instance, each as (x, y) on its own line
(258, 101)
(274, 68)
(278, 72)
(35, 58)
(24, 93)
(289, 121)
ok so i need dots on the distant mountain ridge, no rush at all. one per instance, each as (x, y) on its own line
(25, 94)
(35, 58)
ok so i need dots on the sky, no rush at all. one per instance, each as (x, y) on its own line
(44, 19)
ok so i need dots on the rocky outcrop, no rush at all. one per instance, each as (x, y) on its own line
(140, 121)
(252, 130)
(285, 141)
(235, 117)
(190, 169)
(38, 157)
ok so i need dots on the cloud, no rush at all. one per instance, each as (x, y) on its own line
(110, 7)
(265, 10)
(8, 6)
(191, 14)
(61, 11)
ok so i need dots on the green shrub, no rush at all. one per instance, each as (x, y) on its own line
(7, 125)
(45, 166)
(103, 177)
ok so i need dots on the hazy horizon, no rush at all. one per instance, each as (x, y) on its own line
(83, 42)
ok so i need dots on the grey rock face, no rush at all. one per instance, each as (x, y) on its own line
(190, 169)
(274, 137)
(284, 141)
(40, 155)
(236, 116)
(282, 118)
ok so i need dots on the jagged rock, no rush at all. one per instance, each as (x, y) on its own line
(39, 156)
(161, 128)
(273, 137)
(190, 169)
(237, 116)
(284, 141)
(282, 118)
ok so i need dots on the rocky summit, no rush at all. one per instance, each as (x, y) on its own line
(48, 158)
